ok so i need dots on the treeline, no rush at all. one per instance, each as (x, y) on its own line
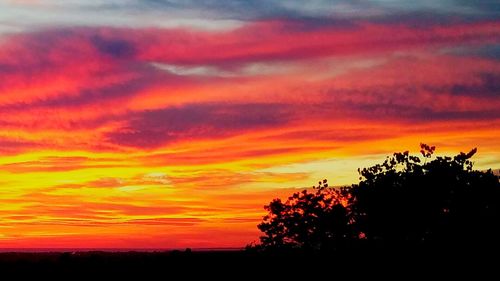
(408, 201)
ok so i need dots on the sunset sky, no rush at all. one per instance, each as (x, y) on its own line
(169, 124)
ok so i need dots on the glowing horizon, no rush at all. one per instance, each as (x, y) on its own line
(169, 124)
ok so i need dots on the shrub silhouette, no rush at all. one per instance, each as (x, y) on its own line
(406, 199)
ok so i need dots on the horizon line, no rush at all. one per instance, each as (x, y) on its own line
(101, 249)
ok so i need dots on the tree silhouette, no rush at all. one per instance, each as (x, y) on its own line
(406, 199)
(309, 220)
(441, 200)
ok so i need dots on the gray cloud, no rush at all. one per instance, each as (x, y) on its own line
(230, 13)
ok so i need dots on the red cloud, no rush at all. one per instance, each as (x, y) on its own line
(102, 84)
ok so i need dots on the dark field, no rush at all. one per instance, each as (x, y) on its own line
(234, 264)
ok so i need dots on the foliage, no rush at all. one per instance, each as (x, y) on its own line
(406, 198)
(403, 199)
(308, 219)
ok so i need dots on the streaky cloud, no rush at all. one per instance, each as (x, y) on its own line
(150, 129)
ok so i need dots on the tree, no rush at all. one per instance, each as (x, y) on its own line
(406, 199)
(308, 220)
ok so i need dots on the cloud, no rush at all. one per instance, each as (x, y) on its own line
(223, 179)
(207, 13)
(264, 41)
(58, 164)
(148, 88)
(487, 86)
(410, 113)
(99, 67)
(14, 146)
(117, 49)
(154, 179)
(253, 42)
(23, 16)
(487, 51)
(150, 129)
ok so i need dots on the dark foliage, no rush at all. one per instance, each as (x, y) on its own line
(406, 200)
(309, 220)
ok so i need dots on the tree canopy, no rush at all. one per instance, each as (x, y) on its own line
(406, 198)
(308, 219)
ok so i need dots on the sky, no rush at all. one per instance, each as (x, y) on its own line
(170, 124)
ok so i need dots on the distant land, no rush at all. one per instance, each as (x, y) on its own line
(112, 250)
